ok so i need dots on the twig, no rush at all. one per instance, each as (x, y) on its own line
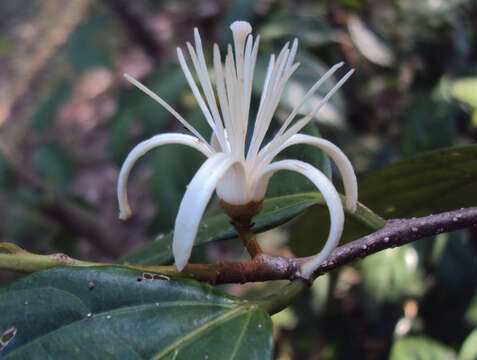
(248, 238)
(263, 267)
(398, 232)
(241, 219)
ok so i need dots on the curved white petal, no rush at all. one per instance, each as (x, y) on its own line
(193, 205)
(342, 162)
(330, 195)
(142, 148)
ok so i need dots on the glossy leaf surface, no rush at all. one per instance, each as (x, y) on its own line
(116, 313)
(420, 348)
(468, 350)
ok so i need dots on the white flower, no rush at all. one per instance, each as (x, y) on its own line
(240, 176)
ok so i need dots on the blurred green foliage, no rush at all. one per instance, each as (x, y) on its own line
(89, 45)
(414, 91)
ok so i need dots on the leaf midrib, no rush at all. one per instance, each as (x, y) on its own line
(125, 310)
(240, 338)
(203, 328)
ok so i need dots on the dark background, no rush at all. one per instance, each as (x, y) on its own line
(68, 119)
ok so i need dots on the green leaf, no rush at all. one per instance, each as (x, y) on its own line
(471, 313)
(429, 124)
(25, 217)
(420, 348)
(49, 107)
(125, 314)
(468, 351)
(307, 26)
(465, 90)
(429, 183)
(424, 18)
(398, 276)
(90, 44)
(453, 282)
(316, 221)
(455, 263)
(54, 164)
(119, 142)
(23, 221)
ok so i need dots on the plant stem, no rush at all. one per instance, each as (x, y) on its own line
(367, 217)
(263, 267)
(248, 238)
(14, 258)
(285, 296)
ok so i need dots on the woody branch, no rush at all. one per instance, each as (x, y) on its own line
(396, 232)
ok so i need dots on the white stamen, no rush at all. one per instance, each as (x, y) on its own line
(240, 29)
(194, 89)
(300, 124)
(201, 69)
(307, 96)
(164, 105)
(221, 92)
